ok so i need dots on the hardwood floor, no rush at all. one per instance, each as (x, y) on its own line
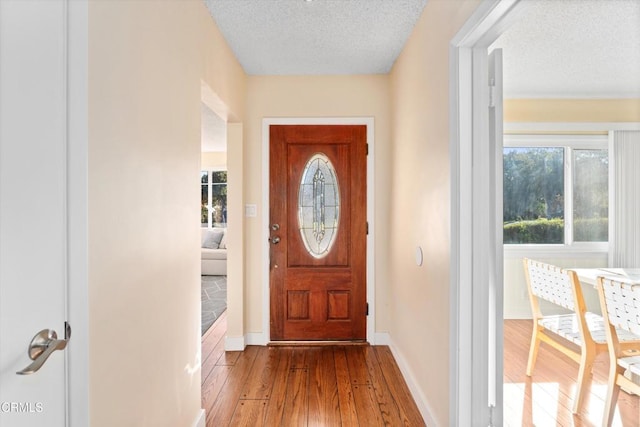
(334, 385)
(362, 386)
(545, 398)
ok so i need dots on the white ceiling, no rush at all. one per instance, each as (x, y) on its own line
(293, 37)
(559, 49)
(299, 37)
(573, 49)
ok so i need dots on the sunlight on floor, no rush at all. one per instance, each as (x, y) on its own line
(595, 410)
(519, 410)
(513, 396)
(547, 394)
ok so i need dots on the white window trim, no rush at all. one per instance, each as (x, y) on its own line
(566, 140)
(209, 192)
(555, 251)
(571, 142)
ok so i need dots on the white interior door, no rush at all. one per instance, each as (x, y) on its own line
(33, 207)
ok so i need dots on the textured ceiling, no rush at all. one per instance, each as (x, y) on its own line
(559, 49)
(573, 49)
(298, 37)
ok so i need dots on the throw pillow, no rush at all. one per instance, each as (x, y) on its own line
(212, 241)
(223, 242)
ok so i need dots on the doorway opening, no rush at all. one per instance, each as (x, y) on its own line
(213, 216)
(221, 210)
(469, 48)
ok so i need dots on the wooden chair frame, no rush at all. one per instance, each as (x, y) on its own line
(562, 287)
(620, 303)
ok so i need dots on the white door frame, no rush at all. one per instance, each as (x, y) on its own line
(474, 258)
(371, 285)
(77, 360)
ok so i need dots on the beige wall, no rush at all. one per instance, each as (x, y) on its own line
(146, 62)
(572, 110)
(314, 96)
(214, 160)
(420, 202)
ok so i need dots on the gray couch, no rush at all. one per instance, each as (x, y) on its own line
(214, 252)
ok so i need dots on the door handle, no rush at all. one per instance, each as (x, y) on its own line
(43, 344)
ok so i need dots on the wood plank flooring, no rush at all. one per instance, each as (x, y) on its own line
(333, 385)
(362, 386)
(545, 398)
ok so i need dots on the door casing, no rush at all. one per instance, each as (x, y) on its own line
(77, 211)
(264, 337)
(474, 256)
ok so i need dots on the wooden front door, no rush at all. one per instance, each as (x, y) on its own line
(318, 229)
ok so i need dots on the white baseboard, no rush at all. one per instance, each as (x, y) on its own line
(234, 343)
(416, 392)
(256, 338)
(201, 419)
(240, 343)
(381, 338)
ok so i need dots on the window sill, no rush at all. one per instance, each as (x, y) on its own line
(565, 251)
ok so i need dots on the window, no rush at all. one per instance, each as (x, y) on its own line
(213, 198)
(318, 205)
(555, 190)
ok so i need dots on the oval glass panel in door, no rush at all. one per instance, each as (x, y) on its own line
(318, 205)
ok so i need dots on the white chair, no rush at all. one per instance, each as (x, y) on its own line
(621, 303)
(585, 329)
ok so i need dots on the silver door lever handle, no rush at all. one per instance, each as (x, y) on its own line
(43, 344)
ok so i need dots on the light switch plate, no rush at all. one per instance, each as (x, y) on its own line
(250, 211)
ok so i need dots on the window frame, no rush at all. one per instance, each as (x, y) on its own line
(209, 184)
(569, 142)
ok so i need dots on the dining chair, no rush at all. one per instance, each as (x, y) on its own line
(621, 303)
(579, 326)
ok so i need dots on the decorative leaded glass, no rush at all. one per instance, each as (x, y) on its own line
(318, 205)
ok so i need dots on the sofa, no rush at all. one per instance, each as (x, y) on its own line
(214, 252)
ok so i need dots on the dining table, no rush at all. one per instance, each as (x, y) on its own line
(590, 275)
